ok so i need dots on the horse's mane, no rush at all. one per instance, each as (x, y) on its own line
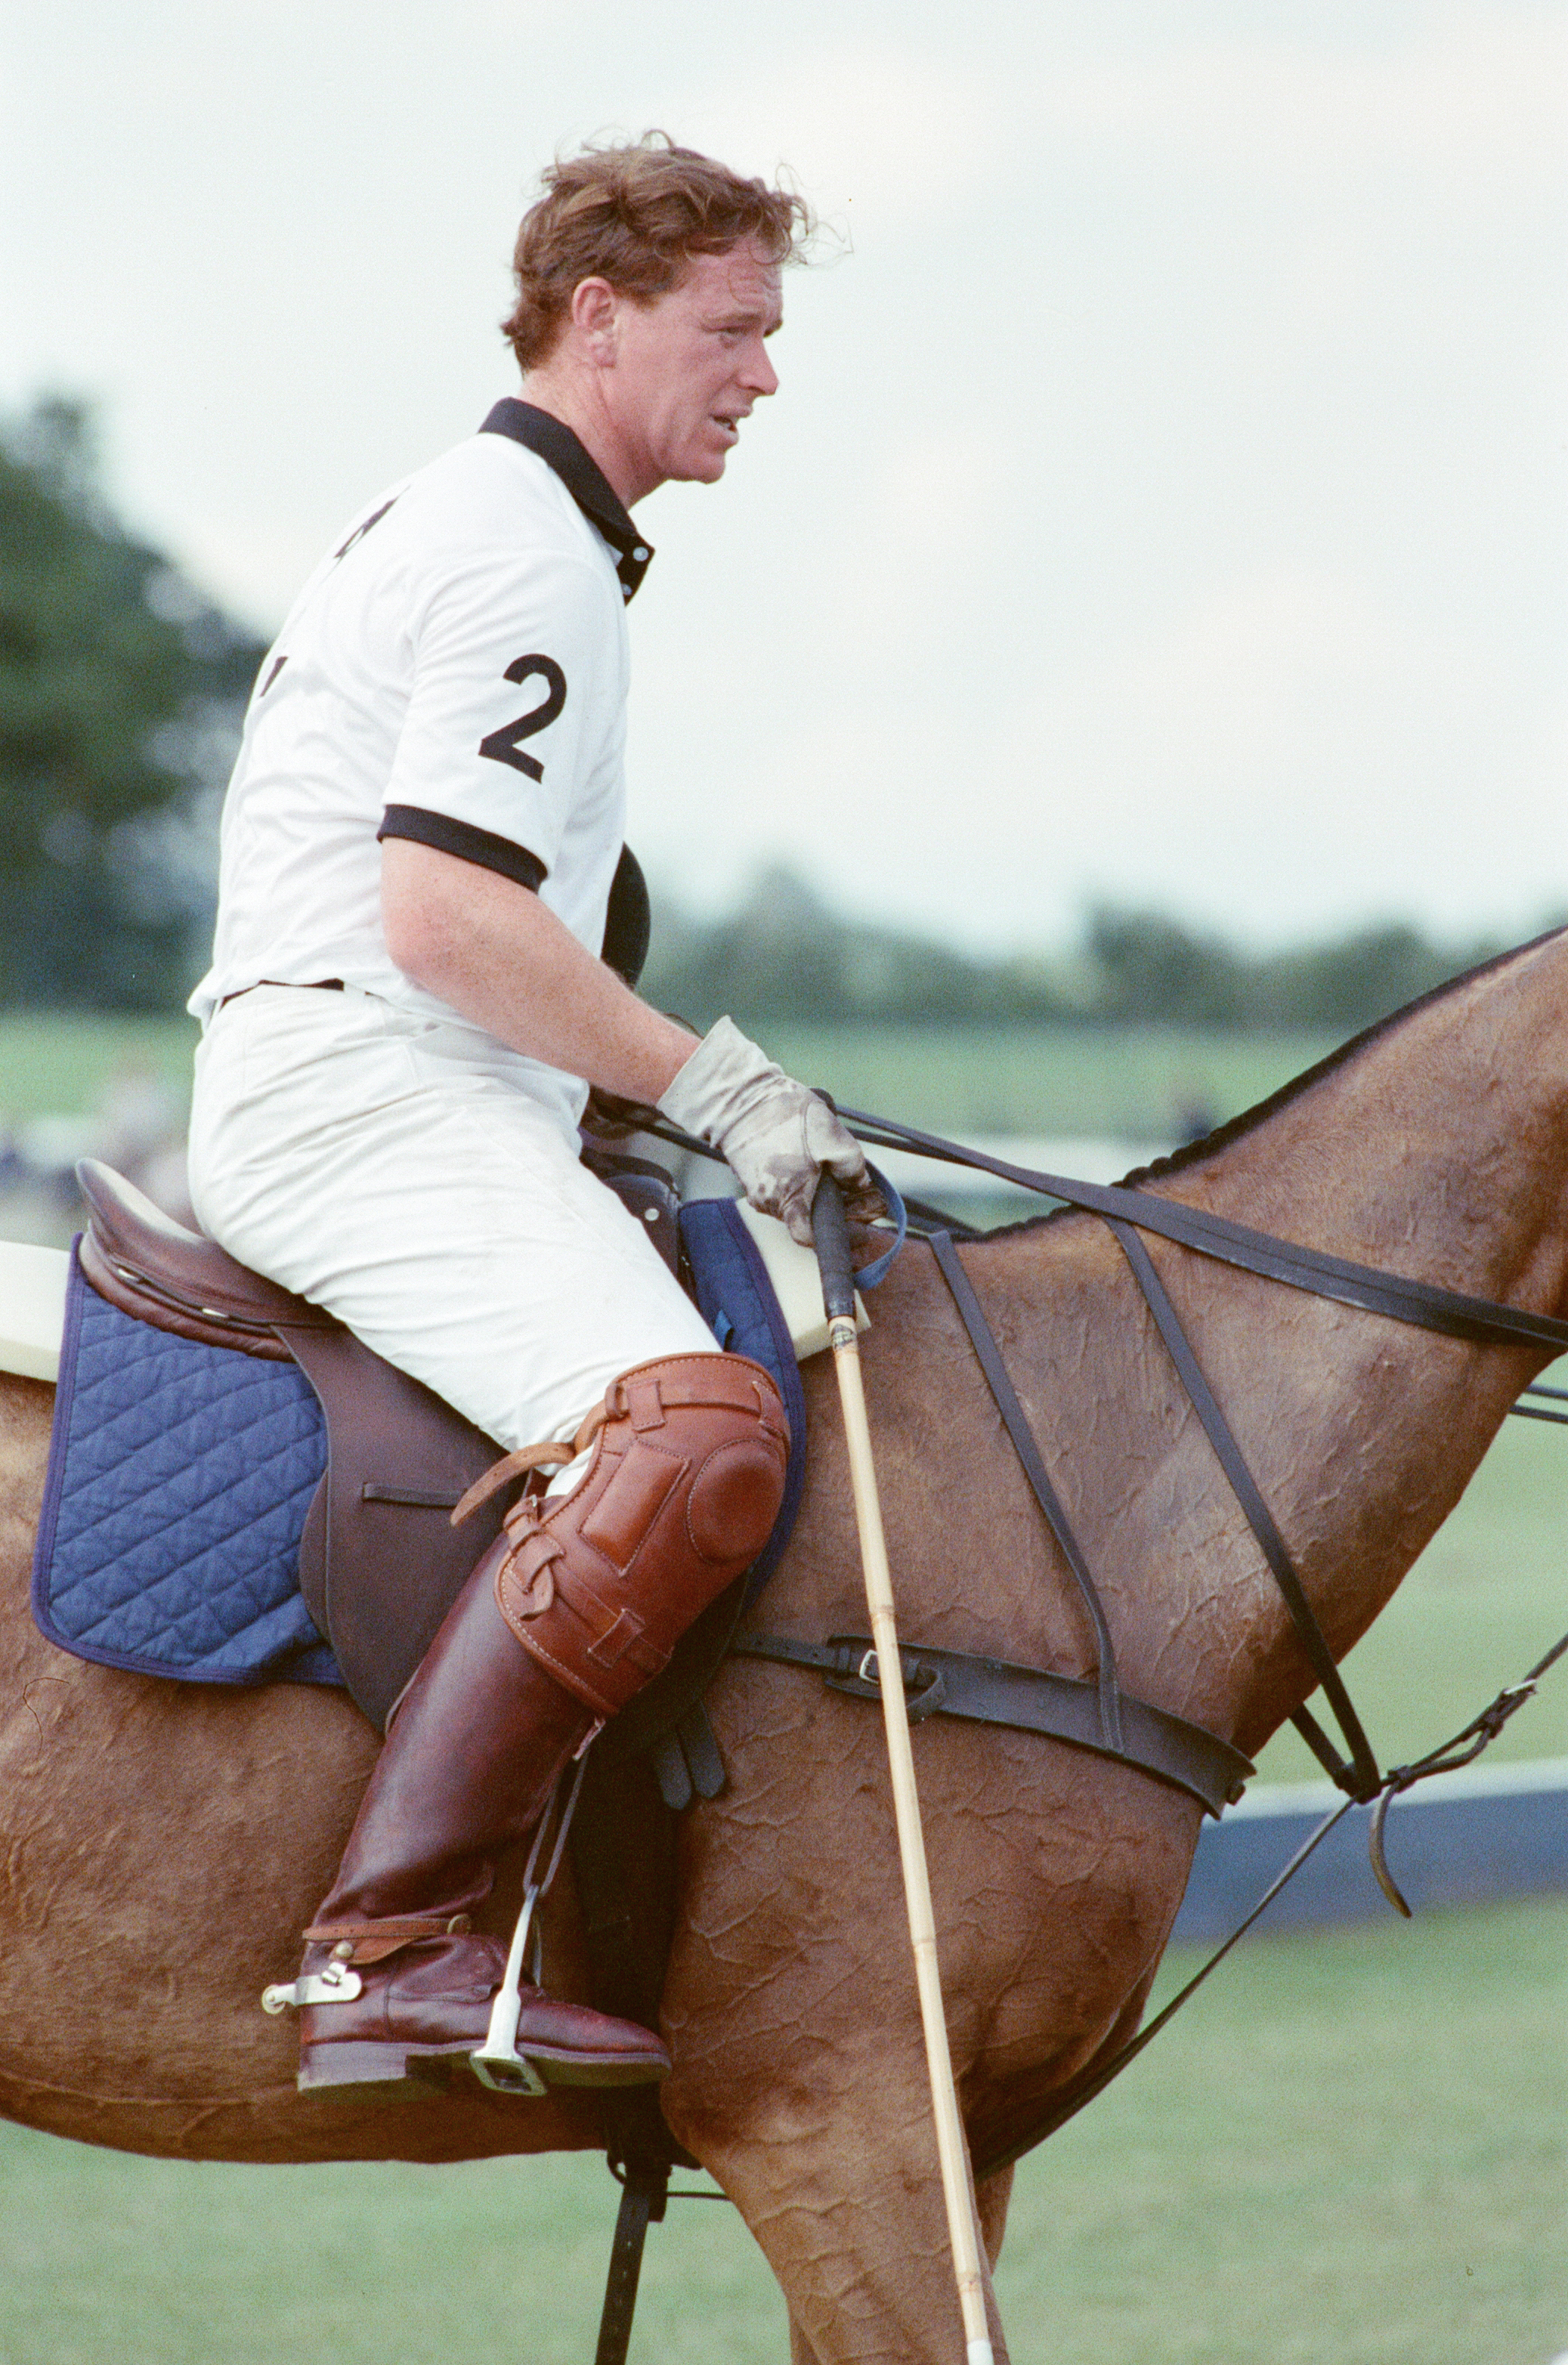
(1192, 1153)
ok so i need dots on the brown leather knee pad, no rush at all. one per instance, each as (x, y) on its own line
(681, 1494)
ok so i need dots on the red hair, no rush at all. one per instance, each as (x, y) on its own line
(634, 213)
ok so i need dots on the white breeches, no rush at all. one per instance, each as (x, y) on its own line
(389, 1167)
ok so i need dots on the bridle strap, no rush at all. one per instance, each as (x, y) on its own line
(1360, 1777)
(1017, 1421)
(1128, 1212)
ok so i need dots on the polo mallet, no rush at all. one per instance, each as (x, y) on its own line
(831, 1236)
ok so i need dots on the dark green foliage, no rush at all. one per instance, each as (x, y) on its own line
(1148, 968)
(1346, 984)
(784, 958)
(784, 955)
(120, 692)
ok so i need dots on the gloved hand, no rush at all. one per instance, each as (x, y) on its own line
(775, 1134)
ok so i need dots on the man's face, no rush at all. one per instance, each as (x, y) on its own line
(690, 365)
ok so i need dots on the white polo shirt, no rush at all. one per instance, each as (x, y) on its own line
(455, 672)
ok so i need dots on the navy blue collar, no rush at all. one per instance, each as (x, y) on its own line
(583, 477)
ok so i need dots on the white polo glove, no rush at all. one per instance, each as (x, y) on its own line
(775, 1134)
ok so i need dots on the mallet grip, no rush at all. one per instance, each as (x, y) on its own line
(830, 1237)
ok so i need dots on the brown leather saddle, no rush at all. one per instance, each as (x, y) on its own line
(380, 1563)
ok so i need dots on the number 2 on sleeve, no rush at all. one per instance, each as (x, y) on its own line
(505, 744)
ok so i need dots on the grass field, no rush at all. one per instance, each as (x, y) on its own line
(1351, 2152)
(1134, 1084)
(1133, 1081)
(63, 1064)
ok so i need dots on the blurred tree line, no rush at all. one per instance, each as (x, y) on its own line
(121, 692)
(121, 689)
(784, 955)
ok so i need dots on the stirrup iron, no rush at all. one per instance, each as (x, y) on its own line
(498, 2064)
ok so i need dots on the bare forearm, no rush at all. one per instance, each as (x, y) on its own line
(493, 952)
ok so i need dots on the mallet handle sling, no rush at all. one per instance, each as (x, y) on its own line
(831, 1235)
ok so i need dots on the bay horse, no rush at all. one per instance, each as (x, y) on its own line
(165, 1842)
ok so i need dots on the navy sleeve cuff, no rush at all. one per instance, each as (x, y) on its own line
(468, 843)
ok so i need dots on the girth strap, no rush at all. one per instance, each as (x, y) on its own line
(1030, 1699)
(1023, 1444)
(1360, 1777)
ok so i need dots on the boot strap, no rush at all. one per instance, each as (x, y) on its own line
(719, 1383)
(538, 1570)
(373, 1941)
(550, 1455)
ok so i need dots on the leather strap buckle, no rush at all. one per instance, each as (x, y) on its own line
(644, 1406)
(525, 1583)
(925, 1686)
(621, 1637)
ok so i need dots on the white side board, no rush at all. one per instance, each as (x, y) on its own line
(32, 1298)
(32, 1308)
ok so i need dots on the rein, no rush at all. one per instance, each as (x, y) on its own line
(1422, 1302)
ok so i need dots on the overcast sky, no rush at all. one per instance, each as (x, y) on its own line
(1165, 497)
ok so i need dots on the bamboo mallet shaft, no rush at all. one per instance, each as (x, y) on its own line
(838, 1297)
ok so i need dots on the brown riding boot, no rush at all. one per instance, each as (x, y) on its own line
(573, 1610)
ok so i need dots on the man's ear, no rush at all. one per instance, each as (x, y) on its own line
(595, 318)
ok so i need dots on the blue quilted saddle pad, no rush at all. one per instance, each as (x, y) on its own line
(179, 1478)
(180, 1474)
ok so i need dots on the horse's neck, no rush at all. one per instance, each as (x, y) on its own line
(1439, 1151)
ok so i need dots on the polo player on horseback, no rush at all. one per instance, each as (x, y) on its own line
(405, 1008)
